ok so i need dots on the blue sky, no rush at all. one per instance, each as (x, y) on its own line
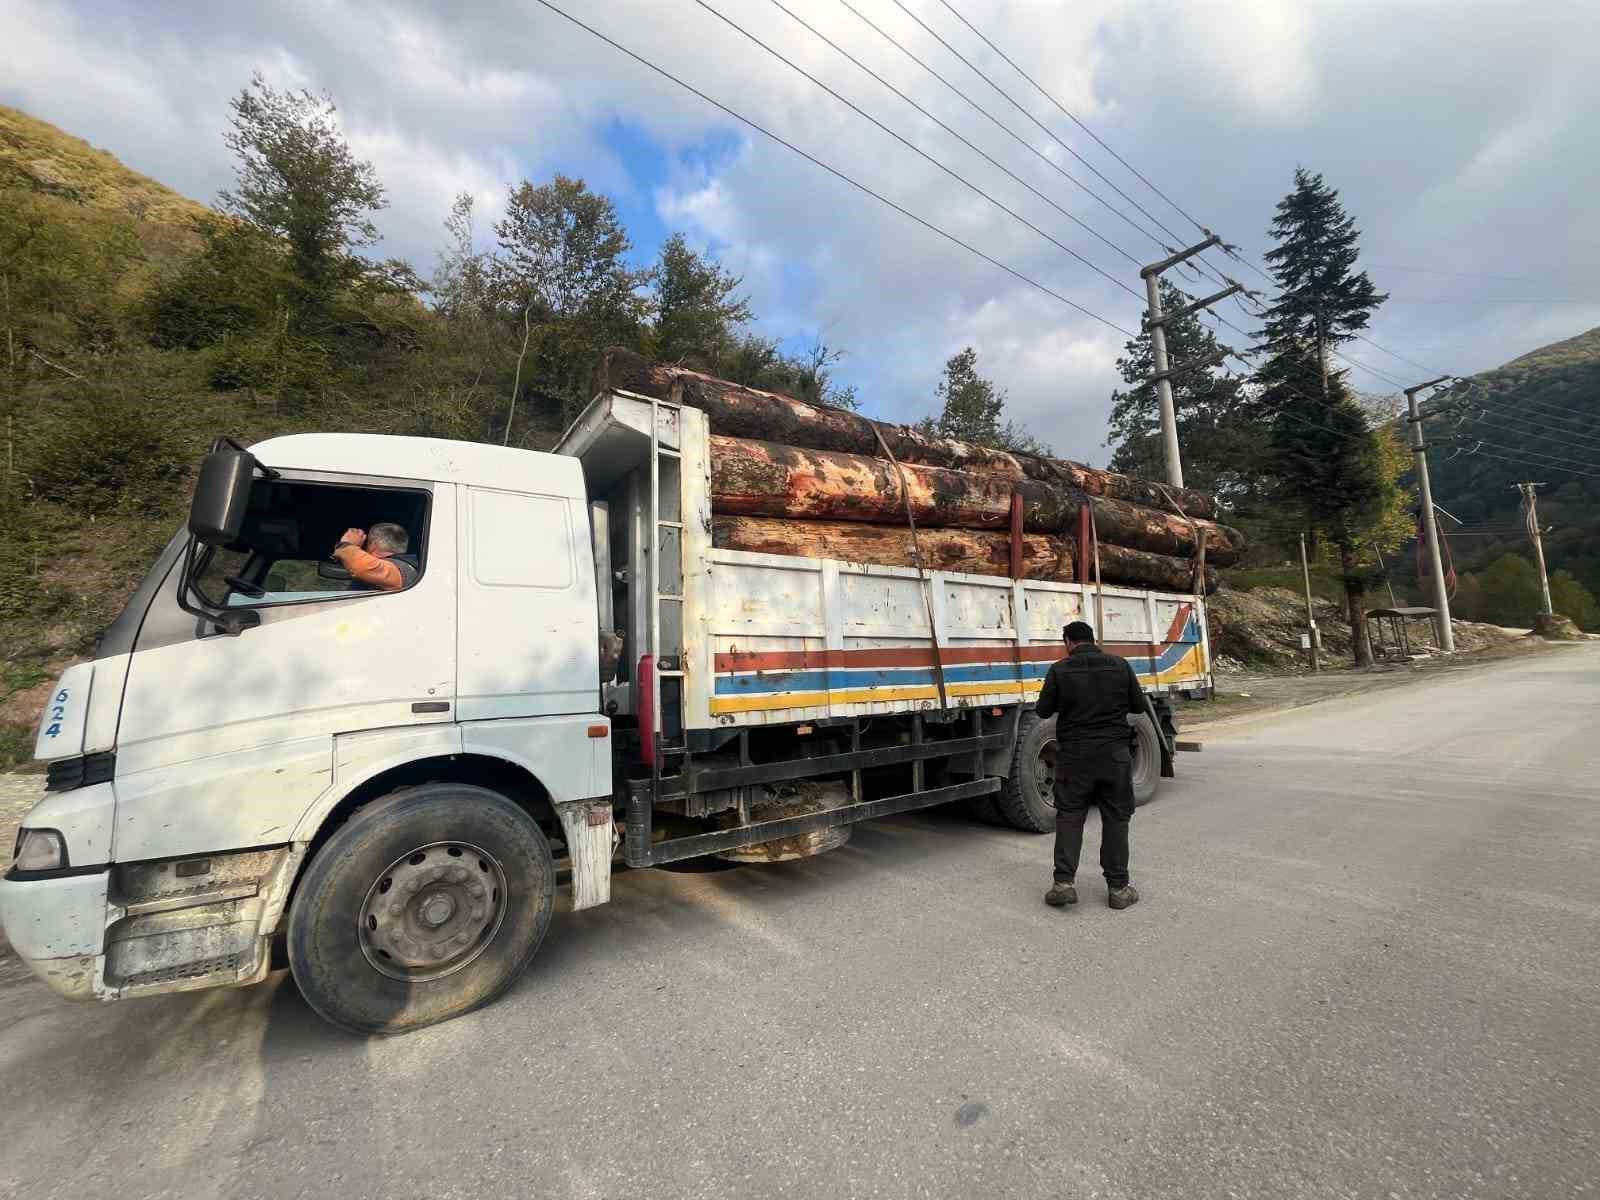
(1459, 134)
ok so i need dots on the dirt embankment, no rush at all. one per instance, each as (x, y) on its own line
(1260, 629)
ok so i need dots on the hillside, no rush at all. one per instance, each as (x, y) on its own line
(1542, 408)
(36, 156)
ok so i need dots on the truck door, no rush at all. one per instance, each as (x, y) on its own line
(224, 741)
(528, 636)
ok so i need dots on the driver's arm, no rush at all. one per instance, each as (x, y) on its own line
(368, 568)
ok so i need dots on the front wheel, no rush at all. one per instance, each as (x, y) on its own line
(427, 904)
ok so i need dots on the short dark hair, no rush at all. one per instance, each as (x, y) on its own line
(392, 536)
(1078, 632)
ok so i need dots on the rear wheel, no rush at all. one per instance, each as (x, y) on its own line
(1146, 759)
(1027, 801)
(427, 904)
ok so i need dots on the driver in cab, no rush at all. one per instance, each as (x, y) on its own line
(371, 558)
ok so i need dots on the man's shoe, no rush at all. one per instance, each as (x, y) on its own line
(1061, 895)
(1122, 897)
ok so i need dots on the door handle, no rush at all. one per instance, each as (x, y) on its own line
(431, 706)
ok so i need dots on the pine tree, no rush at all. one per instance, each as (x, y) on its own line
(1326, 462)
(1223, 445)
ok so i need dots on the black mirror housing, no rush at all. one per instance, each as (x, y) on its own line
(221, 496)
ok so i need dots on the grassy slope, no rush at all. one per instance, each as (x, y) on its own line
(44, 158)
(88, 552)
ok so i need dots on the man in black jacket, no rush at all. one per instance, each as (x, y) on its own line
(1090, 694)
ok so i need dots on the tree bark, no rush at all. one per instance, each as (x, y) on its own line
(975, 552)
(738, 411)
(751, 478)
(1355, 603)
(1140, 568)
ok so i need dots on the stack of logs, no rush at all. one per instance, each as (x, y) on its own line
(789, 477)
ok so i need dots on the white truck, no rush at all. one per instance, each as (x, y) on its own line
(260, 756)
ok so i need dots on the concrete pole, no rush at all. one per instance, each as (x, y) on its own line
(1155, 319)
(1441, 596)
(1530, 505)
(1169, 417)
(1311, 616)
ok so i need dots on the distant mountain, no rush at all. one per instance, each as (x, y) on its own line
(1541, 421)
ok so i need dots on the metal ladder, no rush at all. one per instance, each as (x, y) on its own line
(666, 544)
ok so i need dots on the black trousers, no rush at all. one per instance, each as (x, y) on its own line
(1103, 780)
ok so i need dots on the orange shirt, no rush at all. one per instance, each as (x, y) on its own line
(374, 570)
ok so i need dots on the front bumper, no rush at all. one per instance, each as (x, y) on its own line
(143, 928)
(57, 927)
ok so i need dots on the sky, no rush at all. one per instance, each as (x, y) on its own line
(1459, 135)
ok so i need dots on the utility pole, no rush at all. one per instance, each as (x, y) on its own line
(1157, 320)
(1530, 512)
(1441, 597)
(1311, 616)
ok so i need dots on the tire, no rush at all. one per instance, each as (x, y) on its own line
(1026, 801)
(472, 884)
(1146, 759)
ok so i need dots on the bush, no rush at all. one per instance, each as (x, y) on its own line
(99, 448)
(236, 284)
(289, 370)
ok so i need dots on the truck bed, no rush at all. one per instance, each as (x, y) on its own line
(769, 639)
(781, 639)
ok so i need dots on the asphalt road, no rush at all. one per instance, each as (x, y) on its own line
(1367, 964)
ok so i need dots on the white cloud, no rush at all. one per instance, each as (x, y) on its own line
(1441, 132)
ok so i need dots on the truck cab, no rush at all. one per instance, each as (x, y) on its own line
(250, 700)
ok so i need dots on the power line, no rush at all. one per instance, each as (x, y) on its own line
(978, 108)
(834, 171)
(1135, 170)
(1048, 132)
(778, 4)
(1575, 440)
(912, 146)
(1524, 462)
(1229, 251)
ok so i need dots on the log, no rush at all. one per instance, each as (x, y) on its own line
(738, 411)
(975, 552)
(765, 479)
(1140, 568)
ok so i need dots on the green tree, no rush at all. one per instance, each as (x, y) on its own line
(1572, 599)
(463, 282)
(698, 310)
(1511, 593)
(563, 274)
(970, 408)
(1223, 444)
(1325, 460)
(298, 179)
(760, 362)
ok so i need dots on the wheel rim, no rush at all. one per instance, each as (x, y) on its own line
(1044, 770)
(432, 911)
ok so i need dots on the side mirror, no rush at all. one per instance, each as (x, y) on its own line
(221, 497)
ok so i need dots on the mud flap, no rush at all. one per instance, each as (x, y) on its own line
(1161, 718)
(591, 837)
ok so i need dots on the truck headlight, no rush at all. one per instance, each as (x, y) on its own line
(40, 850)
